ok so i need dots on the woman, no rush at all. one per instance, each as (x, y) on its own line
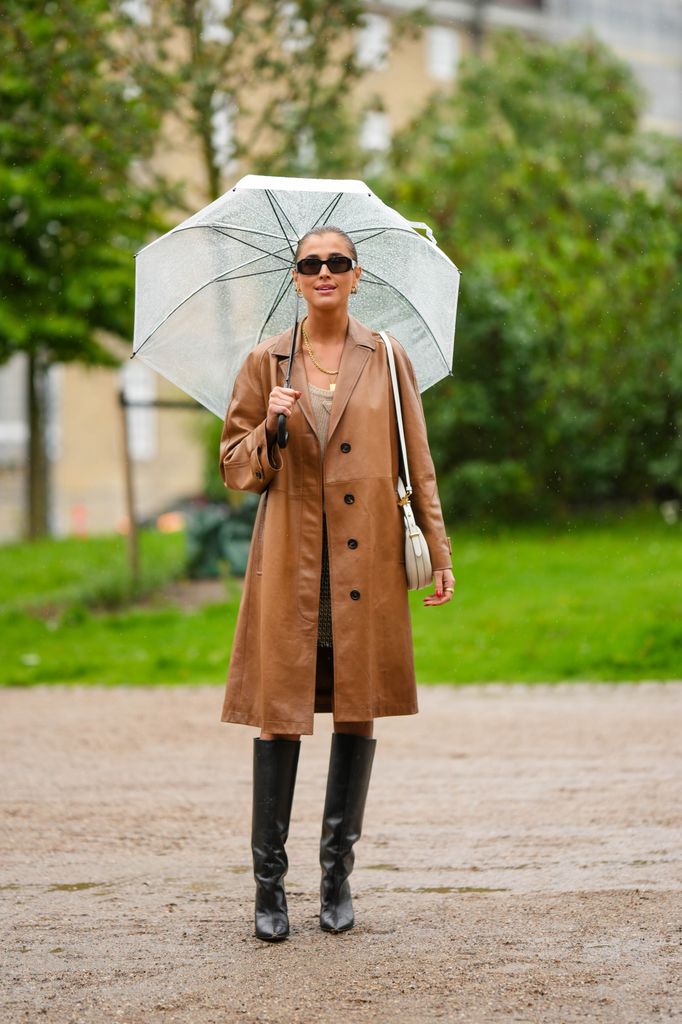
(324, 622)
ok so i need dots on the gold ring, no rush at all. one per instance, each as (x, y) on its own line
(449, 590)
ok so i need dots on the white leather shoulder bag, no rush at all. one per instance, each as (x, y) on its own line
(417, 557)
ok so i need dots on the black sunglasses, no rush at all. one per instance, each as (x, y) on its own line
(310, 265)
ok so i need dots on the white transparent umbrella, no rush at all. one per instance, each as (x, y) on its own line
(220, 282)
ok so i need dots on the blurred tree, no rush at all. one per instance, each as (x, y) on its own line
(83, 88)
(272, 84)
(75, 125)
(567, 222)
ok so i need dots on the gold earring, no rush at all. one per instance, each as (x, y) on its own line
(354, 289)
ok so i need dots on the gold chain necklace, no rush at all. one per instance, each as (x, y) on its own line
(309, 350)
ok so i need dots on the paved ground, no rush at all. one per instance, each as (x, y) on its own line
(521, 862)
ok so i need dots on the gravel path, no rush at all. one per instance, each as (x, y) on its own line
(521, 862)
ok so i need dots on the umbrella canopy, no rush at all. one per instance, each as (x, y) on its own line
(220, 282)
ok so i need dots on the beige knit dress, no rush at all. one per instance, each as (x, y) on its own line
(321, 400)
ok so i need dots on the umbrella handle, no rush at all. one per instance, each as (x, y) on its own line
(282, 434)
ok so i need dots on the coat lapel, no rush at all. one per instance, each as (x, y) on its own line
(359, 344)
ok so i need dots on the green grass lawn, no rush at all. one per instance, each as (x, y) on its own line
(590, 601)
(90, 572)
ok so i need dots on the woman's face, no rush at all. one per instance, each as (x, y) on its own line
(326, 291)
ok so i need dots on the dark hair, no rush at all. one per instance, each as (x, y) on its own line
(324, 230)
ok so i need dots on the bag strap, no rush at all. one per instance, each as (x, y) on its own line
(399, 416)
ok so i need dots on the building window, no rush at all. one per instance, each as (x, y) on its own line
(139, 385)
(53, 416)
(307, 150)
(373, 42)
(138, 11)
(13, 419)
(214, 28)
(295, 35)
(14, 412)
(442, 50)
(222, 131)
(375, 133)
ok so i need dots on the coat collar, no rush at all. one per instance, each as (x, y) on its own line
(360, 340)
(357, 334)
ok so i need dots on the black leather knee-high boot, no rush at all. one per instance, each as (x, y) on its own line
(274, 777)
(350, 767)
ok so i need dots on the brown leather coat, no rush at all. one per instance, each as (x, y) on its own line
(271, 682)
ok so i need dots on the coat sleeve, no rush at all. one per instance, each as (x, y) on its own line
(247, 463)
(425, 499)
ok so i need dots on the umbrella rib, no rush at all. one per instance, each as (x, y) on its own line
(277, 300)
(384, 284)
(225, 276)
(219, 277)
(369, 237)
(248, 263)
(220, 229)
(377, 280)
(275, 255)
(240, 277)
(328, 210)
(284, 214)
(251, 245)
(217, 226)
(408, 231)
(386, 227)
(273, 203)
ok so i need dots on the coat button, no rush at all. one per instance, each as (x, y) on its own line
(349, 498)
(352, 543)
(345, 447)
(355, 594)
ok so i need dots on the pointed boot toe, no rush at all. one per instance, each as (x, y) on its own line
(336, 908)
(272, 927)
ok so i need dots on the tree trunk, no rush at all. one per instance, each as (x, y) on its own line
(37, 466)
(478, 26)
(203, 97)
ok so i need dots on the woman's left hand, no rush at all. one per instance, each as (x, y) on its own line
(444, 587)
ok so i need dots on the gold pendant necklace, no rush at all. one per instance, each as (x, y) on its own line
(309, 350)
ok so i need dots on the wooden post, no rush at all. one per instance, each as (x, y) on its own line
(133, 539)
(37, 464)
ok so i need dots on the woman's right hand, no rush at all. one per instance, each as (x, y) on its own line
(282, 400)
